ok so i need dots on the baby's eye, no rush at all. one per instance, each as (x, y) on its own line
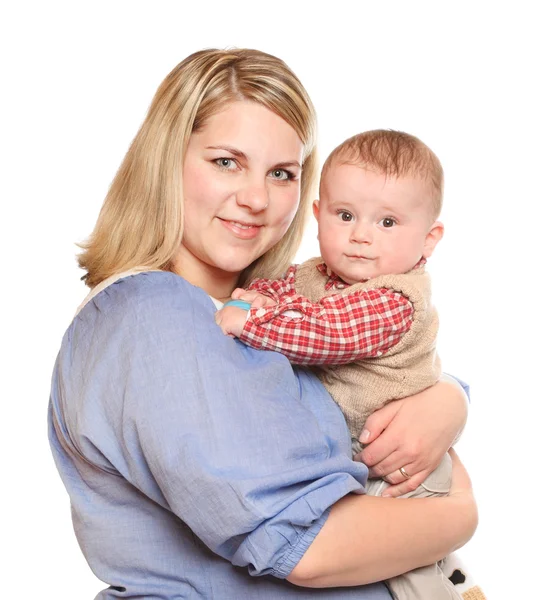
(225, 163)
(345, 216)
(387, 222)
(281, 174)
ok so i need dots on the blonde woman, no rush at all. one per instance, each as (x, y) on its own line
(197, 467)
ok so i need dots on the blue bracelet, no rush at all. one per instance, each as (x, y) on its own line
(239, 303)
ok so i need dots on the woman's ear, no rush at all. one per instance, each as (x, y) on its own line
(433, 237)
(316, 210)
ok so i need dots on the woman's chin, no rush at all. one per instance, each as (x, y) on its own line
(235, 262)
(232, 268)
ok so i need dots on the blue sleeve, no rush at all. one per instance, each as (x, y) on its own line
(247, 452)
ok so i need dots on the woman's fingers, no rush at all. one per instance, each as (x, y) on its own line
(406, 485)
(378, 421)
(400, 484)
(403, 476)
(380, 453)
(386, 466)
(400, 475)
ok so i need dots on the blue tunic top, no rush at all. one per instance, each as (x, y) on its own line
(197, 467)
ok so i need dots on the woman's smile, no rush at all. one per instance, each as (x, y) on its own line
(242, 230)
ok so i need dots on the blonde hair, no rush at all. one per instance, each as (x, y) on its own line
(141, 220)
(394, 154)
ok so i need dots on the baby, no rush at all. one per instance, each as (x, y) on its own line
(361, 314)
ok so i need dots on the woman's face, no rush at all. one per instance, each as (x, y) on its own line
(241, 191)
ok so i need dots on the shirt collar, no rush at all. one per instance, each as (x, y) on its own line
(335, 282)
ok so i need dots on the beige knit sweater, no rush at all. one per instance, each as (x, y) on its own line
(409, 367)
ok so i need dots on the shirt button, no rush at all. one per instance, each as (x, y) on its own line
(379, 353)
(340, 286)
(260, 312)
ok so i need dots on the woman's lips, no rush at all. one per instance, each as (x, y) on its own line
(244, 231)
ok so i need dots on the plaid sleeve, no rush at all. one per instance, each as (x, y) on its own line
(338, 330)
(277, 289)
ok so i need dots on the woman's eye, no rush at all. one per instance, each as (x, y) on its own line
(281, 174)
(225, 163)
(387, 222)
(345, 216)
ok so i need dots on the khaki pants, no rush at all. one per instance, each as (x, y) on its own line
(425, 583)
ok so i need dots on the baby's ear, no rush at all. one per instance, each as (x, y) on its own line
(316, 209)
(433, 237)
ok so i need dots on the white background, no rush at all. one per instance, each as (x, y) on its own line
(77, 78)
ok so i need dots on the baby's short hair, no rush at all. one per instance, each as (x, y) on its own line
(394, 154)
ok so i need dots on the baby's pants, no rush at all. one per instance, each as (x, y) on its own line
(425, 583)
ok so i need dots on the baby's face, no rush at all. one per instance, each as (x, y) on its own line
(371, 225)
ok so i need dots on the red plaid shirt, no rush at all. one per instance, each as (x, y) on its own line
(337, 330)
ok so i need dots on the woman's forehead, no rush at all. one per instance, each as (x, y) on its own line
(250, 127)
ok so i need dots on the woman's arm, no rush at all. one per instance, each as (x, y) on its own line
(367, 539)
(414, 433)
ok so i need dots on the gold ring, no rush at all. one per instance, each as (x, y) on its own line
(404, 473)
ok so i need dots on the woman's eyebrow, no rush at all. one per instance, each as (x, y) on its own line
(233, 151)
(289, 163)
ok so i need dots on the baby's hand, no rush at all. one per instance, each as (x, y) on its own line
(231, 319)
(256, 299)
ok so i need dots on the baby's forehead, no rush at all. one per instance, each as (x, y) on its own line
(359, 183)
(366, 175)
(353, 168)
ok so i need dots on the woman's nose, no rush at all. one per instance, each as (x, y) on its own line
(254, 197)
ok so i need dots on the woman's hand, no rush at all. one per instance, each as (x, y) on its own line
(400, 535)
(413, 434)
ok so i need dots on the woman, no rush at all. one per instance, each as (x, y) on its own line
(187, 455)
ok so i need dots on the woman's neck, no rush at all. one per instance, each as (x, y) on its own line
(214, 282)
